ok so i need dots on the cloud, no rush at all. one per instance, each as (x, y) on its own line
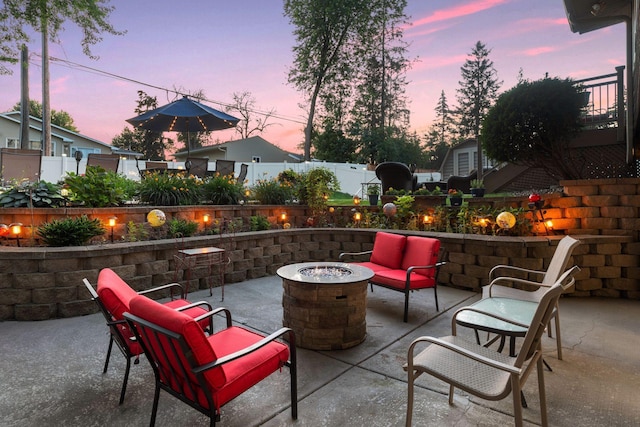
(457, 11)
(540, 50)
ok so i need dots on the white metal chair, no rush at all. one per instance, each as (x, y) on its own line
(508, 275)
(482, 371)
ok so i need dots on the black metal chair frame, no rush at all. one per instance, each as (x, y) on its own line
(115, 334)
(198, 166)
(244, 169)
(18, 164)
(225, 167)
(177, 346)
(108, 162)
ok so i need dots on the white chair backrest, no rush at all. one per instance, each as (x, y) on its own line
(560, 260)
(543, 314)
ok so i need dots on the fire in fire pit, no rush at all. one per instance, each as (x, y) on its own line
(325, 271)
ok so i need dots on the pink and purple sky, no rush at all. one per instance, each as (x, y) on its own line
(231, 47)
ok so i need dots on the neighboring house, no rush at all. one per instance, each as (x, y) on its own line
(461, 159)
(63, 141)
(253, 149)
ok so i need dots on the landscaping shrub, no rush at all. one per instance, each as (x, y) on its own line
(182, 228)
(98, 188)
(222, 190)
(41, 194)
(75, 231)
(170, 189)
(273, 192)
(259, 223)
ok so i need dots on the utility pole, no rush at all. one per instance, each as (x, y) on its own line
(46, 102)
(24, 98)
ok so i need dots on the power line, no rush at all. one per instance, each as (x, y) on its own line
(96, 71)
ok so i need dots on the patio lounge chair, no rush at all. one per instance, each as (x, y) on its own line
(20, 165)
(244, 168)
(197, 166)
(203, 371)
(482, 371)
(225, 167)
(508, 275)
(113, 298)
(397, 176)
(108, 162)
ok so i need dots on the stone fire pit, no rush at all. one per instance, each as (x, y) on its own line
(325, 303)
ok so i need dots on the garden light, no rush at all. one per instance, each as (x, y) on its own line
(156, 218)
(506, 220)
(15, 229)
(356, 200)
(112, 223)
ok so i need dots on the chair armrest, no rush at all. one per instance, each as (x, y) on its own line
(163, 287)
(511, 270)
(437, 265)
(497, 280)
(213, 312)
(462, 351)
(353, 254)
(240, 353)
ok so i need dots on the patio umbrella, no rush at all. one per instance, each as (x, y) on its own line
(184, 115)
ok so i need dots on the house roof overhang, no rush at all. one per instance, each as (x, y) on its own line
(590, 15)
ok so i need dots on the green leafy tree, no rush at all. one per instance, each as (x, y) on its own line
(333, 145)
(323, 30)
(47, 17)
(59, 118)
(478, 90)
(152, 145)
(533, 123)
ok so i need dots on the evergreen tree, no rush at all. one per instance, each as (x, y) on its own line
(478, 90)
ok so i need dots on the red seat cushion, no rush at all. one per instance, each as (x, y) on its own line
(388, 249)
(397, 279)
(372, 266)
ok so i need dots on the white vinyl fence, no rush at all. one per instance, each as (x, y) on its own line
(350, 175)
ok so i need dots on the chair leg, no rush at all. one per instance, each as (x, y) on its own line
(124, 382)
(156, 397)
(451, 389)
(517, 404)
(406, 307)
(409, 399)
(543, 398)
(106, 362)
(435, 294)
(556, 320)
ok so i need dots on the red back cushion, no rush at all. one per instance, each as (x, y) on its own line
(388, 249)
(421, 251)
(114, 293)
(179, 323)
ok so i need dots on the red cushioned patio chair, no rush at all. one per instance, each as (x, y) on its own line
(203, 371)
(404, 264)
(113, 298)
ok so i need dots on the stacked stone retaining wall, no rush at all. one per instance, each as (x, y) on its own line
(41, 283)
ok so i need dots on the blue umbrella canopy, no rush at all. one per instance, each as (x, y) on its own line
(184, 115)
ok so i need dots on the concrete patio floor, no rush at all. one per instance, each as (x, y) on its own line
(51, 371)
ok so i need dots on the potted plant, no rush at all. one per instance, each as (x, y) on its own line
(373, 191)
(455, 197)
(477, 188)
